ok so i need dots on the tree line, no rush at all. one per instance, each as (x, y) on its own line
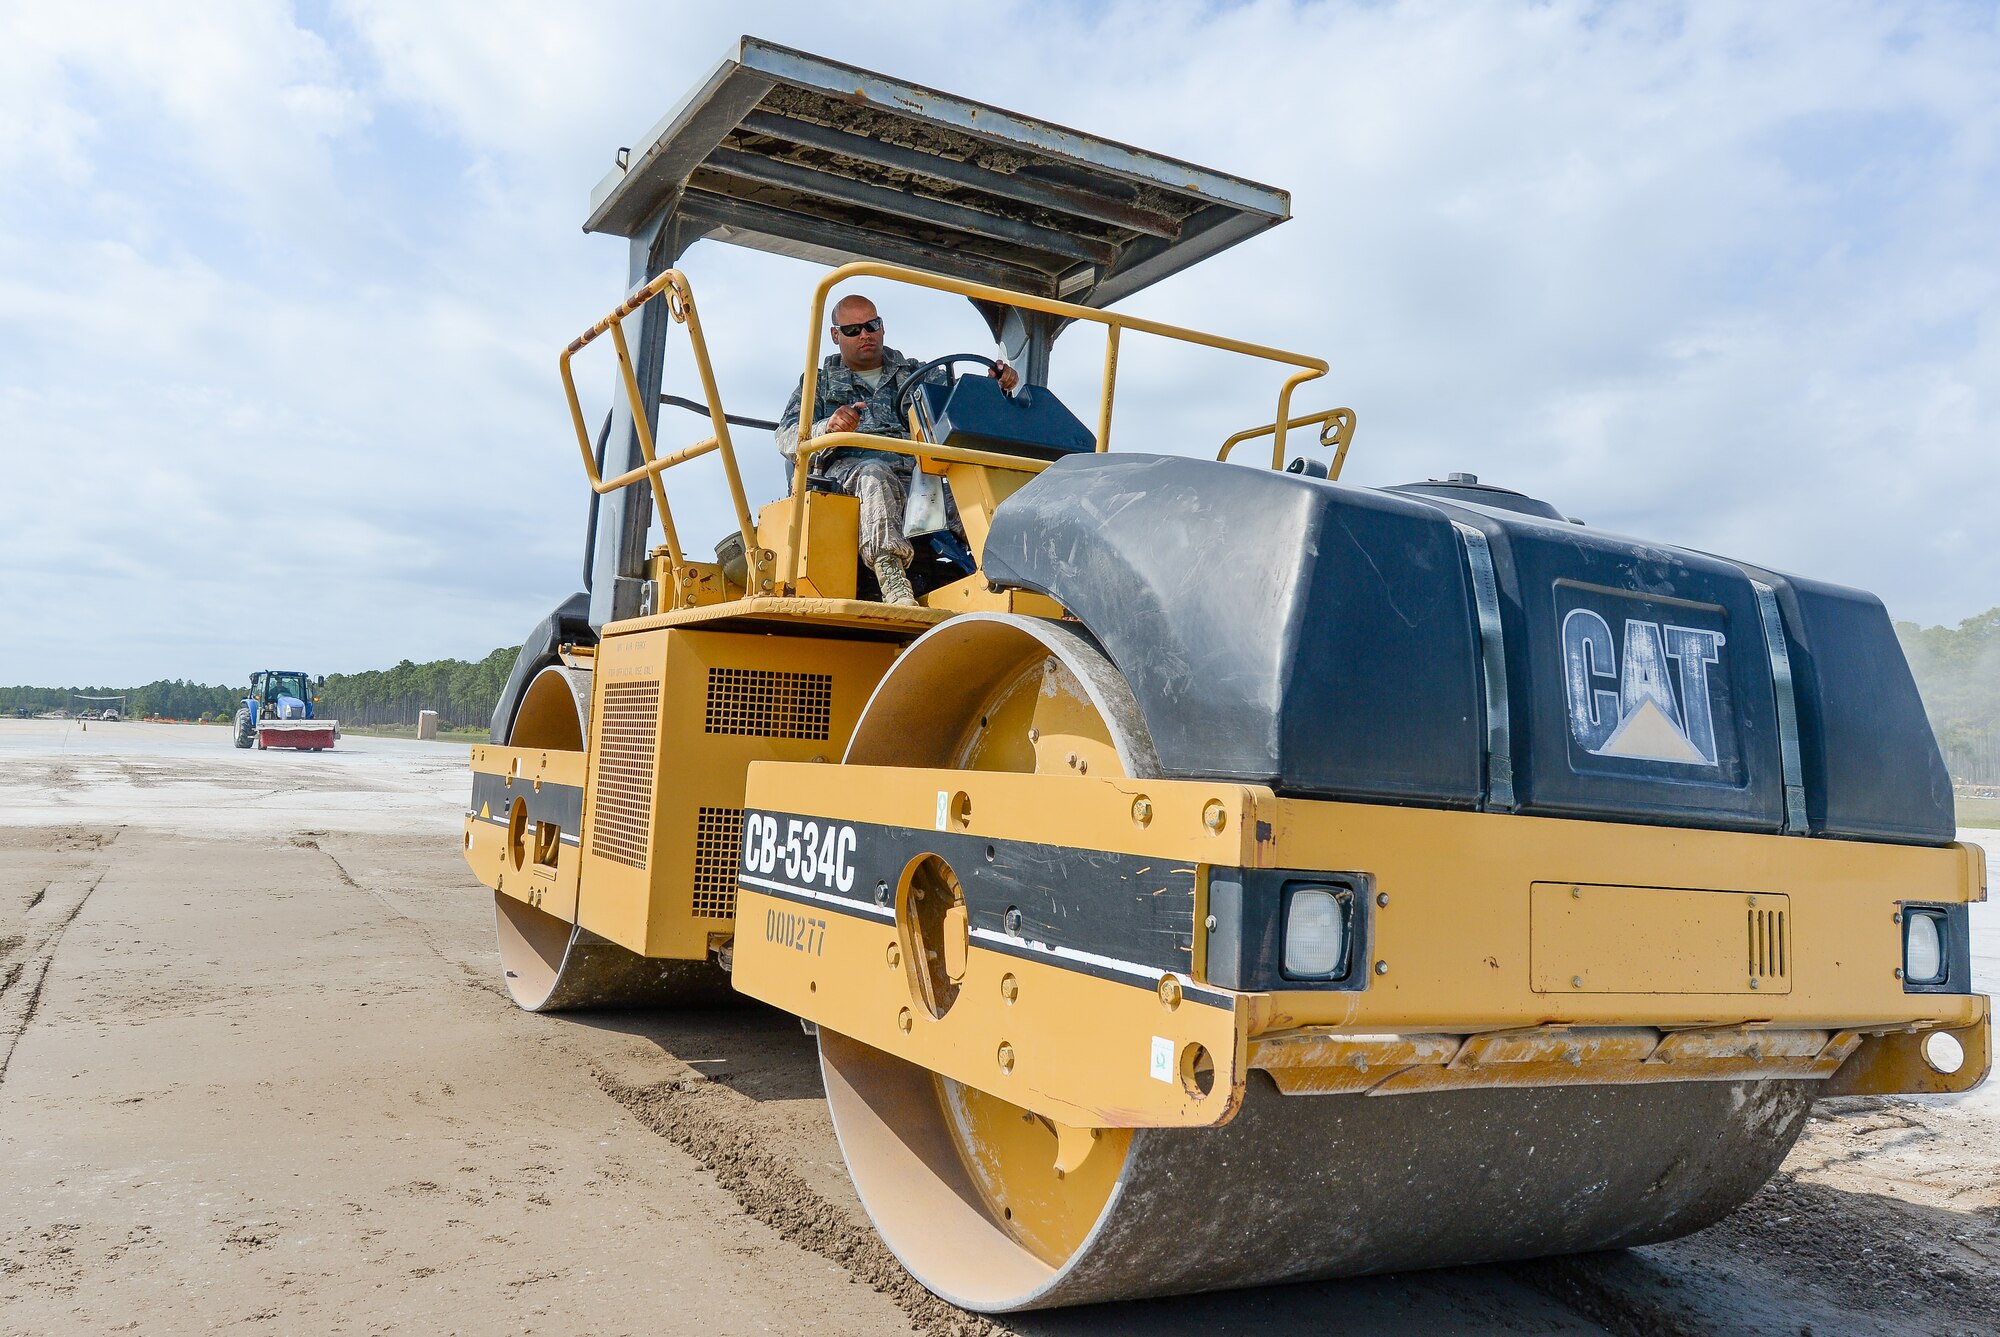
(1958, 675)
(463, 694)
(175, 700)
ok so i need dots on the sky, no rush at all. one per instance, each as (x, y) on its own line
(282, 286)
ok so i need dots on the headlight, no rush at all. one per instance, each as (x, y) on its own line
(1923, 947)
(1316, 933)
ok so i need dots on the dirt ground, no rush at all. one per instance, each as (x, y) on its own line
(257, 1073)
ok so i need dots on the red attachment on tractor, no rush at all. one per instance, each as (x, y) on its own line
(312, 735)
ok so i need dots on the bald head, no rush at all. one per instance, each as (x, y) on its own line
(862, 350)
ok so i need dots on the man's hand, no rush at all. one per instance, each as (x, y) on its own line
(846, 418)
(1009, 378)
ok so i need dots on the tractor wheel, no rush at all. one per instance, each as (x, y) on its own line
(245, 733)
(964, 1186)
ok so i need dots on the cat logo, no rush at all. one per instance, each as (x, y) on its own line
(1629, 708)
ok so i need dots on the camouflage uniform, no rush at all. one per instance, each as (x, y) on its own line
(879, 480)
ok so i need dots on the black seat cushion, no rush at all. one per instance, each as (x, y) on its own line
(974, 413)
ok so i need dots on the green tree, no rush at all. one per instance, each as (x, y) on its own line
(1958, 674)
(463, 694)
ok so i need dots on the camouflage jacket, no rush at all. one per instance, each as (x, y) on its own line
(838, 386)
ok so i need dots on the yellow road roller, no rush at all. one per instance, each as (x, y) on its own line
(1225, 874)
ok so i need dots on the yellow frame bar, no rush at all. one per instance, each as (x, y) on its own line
(681, 309)
(1337, 429)
(673, 286)
(1309, 368)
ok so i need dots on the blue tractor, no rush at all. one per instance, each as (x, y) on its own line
(282, 710)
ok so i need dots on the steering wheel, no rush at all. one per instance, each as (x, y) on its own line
(909, 390)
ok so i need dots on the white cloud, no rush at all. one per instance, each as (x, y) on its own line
(238, 97)
(279, 303)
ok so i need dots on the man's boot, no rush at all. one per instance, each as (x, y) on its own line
(894, 580)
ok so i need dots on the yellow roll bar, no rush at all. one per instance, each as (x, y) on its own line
(1309, 368)
(1336, 429)
(1337, 425)
(680, 306)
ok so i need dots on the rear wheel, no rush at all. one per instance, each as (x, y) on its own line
(964, 1186)
(246, 733)
(552, 964)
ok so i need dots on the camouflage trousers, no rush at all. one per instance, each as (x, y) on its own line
(883, 489)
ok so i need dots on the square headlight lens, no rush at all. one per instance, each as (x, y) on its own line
(1316, 932)
(1923, 947)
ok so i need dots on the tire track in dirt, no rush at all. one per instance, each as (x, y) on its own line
(1798, 1258)
(1871, 1254)
(1581, 1282)
(696, 1115)
(29, 955)
(310, 840)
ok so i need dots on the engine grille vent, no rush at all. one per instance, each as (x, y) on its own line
(628, 734)
(1767, 944)
(718, 836)
(759, 703)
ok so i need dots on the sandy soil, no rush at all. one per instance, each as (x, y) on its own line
(256, 1072)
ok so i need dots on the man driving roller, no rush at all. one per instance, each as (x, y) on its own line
(856, 392)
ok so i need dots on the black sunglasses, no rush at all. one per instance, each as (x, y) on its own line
(865, 327)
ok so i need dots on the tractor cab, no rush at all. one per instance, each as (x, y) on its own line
(283, 695)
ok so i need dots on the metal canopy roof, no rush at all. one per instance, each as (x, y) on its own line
(791, 153)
